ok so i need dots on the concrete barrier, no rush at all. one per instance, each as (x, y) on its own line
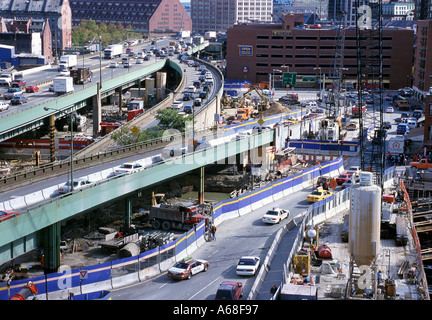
(149, 272)
(130, 278)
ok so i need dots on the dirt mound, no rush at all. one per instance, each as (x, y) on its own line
(275, 108)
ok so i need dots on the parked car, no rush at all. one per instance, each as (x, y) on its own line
(187, 268)
(229, 290)
(248, 266)
(19, 100)
(7, 214)
(275, 215)
(32, 88)
(77, 184)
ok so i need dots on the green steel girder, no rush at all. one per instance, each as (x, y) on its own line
(30, 118)
(56, 210)
(33, 117)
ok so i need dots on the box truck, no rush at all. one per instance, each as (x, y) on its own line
(67, 62)
(113, 51)
(63, 85)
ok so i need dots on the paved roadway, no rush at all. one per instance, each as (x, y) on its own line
(91, 62)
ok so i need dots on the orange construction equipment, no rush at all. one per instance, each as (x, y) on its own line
(25, 292)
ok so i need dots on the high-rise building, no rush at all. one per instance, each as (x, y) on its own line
(423, 9)
(219, 15)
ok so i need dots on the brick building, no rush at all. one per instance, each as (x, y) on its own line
(164, 16)
(27, 35)
(56, 12)
(255, 51)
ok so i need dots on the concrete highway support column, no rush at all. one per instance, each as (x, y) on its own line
(127, 212)
(51, 245)
(97, 112)
(201, 187)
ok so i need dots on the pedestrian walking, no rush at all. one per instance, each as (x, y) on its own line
(213, 232)
(273, 289)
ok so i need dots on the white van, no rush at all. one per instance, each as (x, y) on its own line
(412, 123)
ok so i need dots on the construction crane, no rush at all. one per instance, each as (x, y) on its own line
(369, 76)
(333, 101)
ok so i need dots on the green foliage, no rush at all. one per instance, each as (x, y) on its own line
(168, 118)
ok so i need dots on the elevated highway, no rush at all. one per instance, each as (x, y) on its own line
(42, 220)
(31, 116)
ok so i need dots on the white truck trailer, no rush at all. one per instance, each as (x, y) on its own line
(63, 85)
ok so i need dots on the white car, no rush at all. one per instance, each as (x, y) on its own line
(355, 170)
(247, 266)
(275, 215)
(114, 65)
(128, 168)
(65, 72)
(4, 106)
(77, 184)
(177, 105)
(389, 109)
(139, 61)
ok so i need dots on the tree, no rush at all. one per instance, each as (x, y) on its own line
(170, 118)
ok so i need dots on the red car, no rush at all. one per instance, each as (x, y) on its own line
(343, 177)
(229, 290)
(18, 84)
(32, 88)
(7, 214)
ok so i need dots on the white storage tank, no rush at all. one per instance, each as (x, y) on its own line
(365, 220)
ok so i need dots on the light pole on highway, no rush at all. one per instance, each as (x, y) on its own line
(71, 144)
(100, 62)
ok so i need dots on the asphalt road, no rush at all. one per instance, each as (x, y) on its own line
(245, 235)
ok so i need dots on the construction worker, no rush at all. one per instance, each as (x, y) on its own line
(213, 232)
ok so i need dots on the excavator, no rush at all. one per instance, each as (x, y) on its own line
(28, 290)
(245, 106)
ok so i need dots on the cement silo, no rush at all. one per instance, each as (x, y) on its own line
(365, 221)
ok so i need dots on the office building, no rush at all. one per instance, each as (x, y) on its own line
(256, 51)
(219, 15)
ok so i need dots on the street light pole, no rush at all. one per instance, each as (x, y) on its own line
(71, 144)
(100, 62)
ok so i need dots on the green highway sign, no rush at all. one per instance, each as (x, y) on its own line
(289, 78)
